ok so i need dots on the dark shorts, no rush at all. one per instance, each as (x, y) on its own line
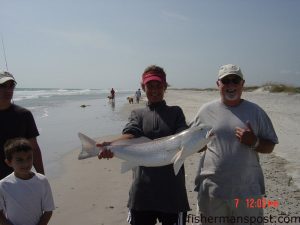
(150, 218)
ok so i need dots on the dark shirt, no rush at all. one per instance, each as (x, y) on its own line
(14, 122)
(112, 93)
(157, 188)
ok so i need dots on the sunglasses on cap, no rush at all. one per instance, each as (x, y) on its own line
(235, 80)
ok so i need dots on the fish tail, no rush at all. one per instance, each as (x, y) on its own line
(88, 147)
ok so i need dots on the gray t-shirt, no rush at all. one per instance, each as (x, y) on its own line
(228, 168)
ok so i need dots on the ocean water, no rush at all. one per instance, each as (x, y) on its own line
(59, 117)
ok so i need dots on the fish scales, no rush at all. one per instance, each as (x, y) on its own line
(159, 152)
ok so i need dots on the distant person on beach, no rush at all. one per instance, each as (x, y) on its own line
(138, 95)
(156, 192)
(16, 121)
(230, 178)
(25, 196)
(112, 94)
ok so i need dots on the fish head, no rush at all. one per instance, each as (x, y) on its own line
(196, 138)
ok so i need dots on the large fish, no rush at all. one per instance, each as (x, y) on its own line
(151, 153)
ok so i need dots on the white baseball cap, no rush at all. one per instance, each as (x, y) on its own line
(230, 69)
(6, 76)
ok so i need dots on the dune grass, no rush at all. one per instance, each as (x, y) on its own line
(277, 88)
(270, 87)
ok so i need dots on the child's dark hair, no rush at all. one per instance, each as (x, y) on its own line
(14, 145)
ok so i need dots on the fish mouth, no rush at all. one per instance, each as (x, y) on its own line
(210, 134)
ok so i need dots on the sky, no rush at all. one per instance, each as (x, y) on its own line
(108, 43)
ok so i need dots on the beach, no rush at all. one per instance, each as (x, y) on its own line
(94, 192)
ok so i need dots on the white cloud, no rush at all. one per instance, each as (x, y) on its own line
(285, 72)
(174, 16)
(289, 72)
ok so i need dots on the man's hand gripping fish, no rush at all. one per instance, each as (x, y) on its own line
(152, 153)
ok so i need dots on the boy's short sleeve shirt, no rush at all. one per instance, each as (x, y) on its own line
(24, 201)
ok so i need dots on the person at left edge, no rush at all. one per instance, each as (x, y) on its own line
(16, 121)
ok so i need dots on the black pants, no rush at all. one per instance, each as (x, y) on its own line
(150, 218)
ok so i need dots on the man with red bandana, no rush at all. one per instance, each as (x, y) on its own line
(156, 192)
(229, 172)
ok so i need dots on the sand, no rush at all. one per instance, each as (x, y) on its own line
(94, 192)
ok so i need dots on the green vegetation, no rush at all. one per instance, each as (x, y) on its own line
(251, 88)
(270, 87)
(276, 88)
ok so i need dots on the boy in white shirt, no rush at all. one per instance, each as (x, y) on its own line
(25, 196)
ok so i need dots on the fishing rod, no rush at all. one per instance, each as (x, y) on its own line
(4, 54)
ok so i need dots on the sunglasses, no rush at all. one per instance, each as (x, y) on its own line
(235, 80)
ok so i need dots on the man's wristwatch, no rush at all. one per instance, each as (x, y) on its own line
(256, 144)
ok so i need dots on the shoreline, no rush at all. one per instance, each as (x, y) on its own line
(94, 192)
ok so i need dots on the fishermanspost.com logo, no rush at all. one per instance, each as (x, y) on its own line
(282, 219)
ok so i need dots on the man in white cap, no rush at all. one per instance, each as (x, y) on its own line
(230, 179)
(15, 121)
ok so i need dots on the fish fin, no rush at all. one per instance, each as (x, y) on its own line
(88, 147)
(86, 140)
(126, 166)
(178, 161)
